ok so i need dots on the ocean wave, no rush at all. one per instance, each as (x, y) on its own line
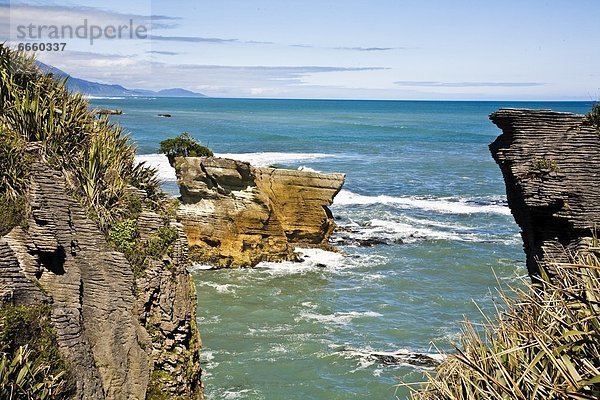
(312, 259)
(264, 159)
(307, 169)
(441, 205)
(160, 162)
(222, 288)
(338, 318)
(399, 229)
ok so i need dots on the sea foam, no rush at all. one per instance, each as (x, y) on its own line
(441, 205)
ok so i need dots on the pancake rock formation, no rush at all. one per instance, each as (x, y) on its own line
(551, 165)
(234, 214)
(121, 334)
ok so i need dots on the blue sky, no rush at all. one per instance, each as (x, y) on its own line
(534, 50)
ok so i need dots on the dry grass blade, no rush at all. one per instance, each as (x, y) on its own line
(544, 343)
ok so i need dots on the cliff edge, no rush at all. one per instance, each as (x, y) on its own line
(550, 163)
(235, 214)
(124, 335)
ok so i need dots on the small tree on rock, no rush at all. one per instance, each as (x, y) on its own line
(183, 145)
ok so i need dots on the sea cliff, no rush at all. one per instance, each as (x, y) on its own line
(235, 214)
(542, 342)
(122, 335)
(95, 299)
(550, 165)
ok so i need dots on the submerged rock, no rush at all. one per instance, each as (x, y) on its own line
(399, 357)
(235, 214)
(104, 111)
(551, 163)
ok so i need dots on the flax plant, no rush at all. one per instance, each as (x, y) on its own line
(544, 343)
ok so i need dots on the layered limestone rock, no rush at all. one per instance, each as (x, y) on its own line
(551, 164)
(120, 335)
(234, 214)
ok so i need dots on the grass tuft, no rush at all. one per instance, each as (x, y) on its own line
(544, 345)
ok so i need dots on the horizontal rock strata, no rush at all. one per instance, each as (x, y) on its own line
(114, 331)
(550, 163)
(234, 214)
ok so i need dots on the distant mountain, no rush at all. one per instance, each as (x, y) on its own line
(104, 90)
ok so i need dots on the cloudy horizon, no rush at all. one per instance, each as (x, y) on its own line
(405, 50)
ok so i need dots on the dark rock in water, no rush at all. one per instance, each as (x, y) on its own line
(165, 115)
(416, 359)
(343, 239)
(108, 112)
(368, 242)
(550, 162)
(400, 357)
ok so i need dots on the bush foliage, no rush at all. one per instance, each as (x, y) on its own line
(25, 376)
(183, 145)
(96, 156)
(593, 117)
(31, 366)
(544, 345)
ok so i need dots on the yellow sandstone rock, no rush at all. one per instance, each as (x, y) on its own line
(236, 215)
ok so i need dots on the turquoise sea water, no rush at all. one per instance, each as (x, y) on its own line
(419, 178)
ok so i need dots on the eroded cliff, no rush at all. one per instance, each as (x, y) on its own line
(124, 335)
(235, 214)
(550, 162)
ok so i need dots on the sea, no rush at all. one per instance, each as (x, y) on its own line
(421, 188)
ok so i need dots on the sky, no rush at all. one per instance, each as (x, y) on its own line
(378, 49)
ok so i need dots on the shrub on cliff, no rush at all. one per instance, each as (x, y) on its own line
(31, 366)
(25, 376)
(544, 345)
(593, 117)
(183, 145)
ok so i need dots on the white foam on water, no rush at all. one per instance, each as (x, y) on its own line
(221, 288)
(160, 162)
(264, 159)
(441, 205)
(338, 318)
(307, 169)
(367, 357)
(407, 232)
(236, 394)
(313, 259)
(199, 267)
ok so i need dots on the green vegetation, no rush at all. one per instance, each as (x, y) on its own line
(158, 379)
(40, 120)
(544, 345)
(96, 156)
(125, 237)
(183, 145)
(14, 163)
(13, 213)
(26, 377)
(31, 366)
(542, 164)
(593, 117)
